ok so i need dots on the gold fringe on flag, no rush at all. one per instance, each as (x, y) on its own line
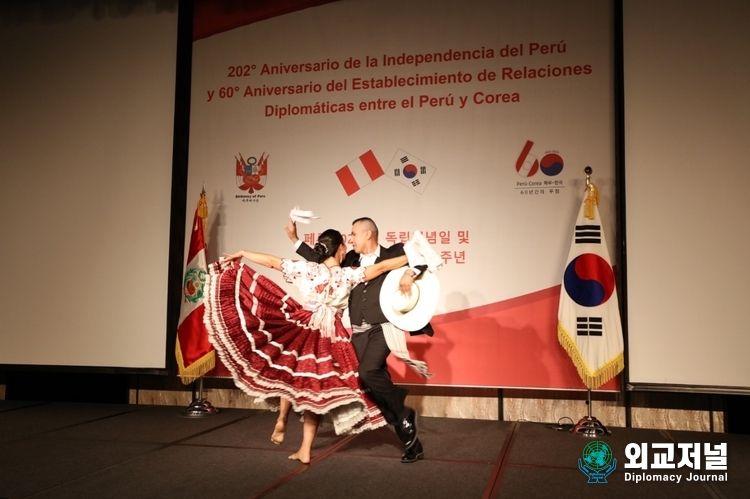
(197, 368)
(592, 200)
(595, 379)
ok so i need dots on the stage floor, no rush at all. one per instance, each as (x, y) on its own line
(76, 450)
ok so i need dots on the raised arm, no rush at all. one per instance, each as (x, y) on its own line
(264, 259)
(372, 271)
(291, 231)
(303, 249)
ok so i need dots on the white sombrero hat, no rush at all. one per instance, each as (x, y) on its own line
(414, 312)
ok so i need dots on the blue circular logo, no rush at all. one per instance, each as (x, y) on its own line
(551, 164)
(597, 455)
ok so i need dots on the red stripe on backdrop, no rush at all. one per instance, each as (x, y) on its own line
(347, 180)
(511, 344)
(374, 170)
(211, 17)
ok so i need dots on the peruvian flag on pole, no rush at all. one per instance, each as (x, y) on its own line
(195, 355)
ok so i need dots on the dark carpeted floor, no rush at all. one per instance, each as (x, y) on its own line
(68, 450)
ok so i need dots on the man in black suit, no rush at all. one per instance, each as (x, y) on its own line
(368, 340)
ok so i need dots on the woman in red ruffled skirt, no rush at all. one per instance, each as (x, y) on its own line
(291, 354)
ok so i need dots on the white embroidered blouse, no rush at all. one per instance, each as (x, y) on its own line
(325, 290)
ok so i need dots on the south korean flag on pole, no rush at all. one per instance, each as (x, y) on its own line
(410, 171)
(589, 326)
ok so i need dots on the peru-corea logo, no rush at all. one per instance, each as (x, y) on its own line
(527, 165)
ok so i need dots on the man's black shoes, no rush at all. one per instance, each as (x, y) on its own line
(406, 429)
(414, 454)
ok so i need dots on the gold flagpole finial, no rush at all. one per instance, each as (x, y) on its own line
(592, 195)
(203, 207)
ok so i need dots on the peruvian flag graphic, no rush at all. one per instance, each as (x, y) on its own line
(359, 173)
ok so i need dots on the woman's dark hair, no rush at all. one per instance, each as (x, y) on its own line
(328, 243)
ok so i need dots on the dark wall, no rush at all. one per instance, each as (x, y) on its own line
(66, 387)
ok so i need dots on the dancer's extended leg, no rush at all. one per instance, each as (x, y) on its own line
(277, 436)
(309, 429)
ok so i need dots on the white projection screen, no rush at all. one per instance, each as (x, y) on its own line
(86, 130)
(687, 206)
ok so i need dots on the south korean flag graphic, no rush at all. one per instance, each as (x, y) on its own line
(589, 326)
(410, 171)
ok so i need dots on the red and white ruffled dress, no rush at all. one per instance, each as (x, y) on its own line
(276, 347)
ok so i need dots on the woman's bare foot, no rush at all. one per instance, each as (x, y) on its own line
(277, 436)
(301, 456)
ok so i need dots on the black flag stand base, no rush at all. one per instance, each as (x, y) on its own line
(199, 407)
(589, 426)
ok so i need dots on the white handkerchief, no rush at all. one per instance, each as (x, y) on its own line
(414, 254)
(301, 216)
(422, 246)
